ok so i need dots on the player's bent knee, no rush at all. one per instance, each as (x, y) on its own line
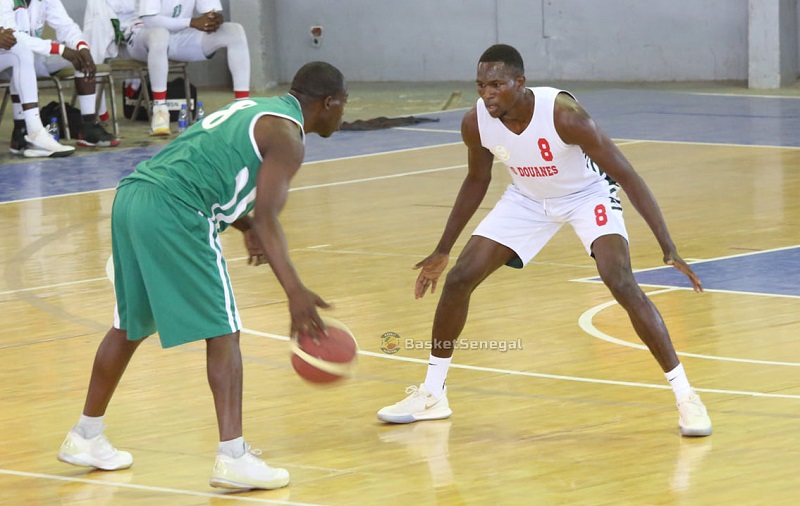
(23, 54)
(460, 280)
(234, 30)
(157, 39)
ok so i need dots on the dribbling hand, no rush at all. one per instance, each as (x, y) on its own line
(303, 310)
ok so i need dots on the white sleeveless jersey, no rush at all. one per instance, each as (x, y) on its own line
(541, 165)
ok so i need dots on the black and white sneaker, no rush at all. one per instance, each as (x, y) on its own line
(18, 142)
(94, 135)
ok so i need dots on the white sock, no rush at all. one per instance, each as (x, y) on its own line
(33, 120)
(103, 109)
(437, 374)
(16, 107)
(89, 427)
(234, 448)
(88, 104)
(680, 383)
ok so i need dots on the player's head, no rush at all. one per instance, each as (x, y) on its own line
(500, 78)
(322, 92)
(507, 55)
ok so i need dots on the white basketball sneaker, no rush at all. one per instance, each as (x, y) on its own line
(419, 405)
(42, 144)
(247, 472)
(160, 122)
(95, 452)
(693, 418)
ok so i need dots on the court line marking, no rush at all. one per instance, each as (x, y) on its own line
(321, 248)
(56, 285)
(714, 259)
(594, 279)
(148, 488)
(434, 130)
(585, 322)
(378, 178)
(291, 189)
(619, 142)
(540, 375)
(724, 144)
(707, 290)
(713, 94)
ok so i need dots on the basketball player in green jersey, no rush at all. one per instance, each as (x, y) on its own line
(169, 272)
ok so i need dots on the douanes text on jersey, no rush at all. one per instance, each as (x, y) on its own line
(546, 171)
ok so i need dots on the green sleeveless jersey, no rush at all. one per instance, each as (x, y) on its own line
(213, 165)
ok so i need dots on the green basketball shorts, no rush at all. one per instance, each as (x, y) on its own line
(169, 272)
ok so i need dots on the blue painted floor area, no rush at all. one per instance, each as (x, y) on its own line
(686, 117)
(623, 114)
(103, 170)
(60, 176)
(774, 272)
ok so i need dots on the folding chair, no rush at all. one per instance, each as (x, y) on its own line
(104, 79)
(6, 96)
(139, 69)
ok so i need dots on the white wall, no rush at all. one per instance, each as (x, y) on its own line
(436, 40)
(560, 39)
(624, 40)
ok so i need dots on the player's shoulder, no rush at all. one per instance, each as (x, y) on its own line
(470, 118)
(470, 127)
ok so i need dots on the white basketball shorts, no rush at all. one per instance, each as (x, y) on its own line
(526, 225)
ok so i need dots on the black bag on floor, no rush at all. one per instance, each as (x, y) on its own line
(53, 110)
(176, 96)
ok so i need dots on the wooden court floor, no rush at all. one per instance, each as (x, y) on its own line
(567, 419)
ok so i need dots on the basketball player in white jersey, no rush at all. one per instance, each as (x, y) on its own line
(166, 30)
(564, 170)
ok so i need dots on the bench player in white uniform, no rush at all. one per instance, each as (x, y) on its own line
(564, 170)
(166, 30)
(68, 49)
(16, 56)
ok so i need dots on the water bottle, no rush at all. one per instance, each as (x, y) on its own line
(200, 114)
(183, 119)
(52, 128)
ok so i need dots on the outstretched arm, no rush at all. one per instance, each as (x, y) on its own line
(470, 196)
(575, 126)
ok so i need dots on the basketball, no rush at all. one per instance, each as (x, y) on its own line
(328, 359)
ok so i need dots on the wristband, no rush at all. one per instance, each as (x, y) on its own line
(56, 48)
(82, 45)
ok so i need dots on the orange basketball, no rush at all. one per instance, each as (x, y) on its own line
(327, 359)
